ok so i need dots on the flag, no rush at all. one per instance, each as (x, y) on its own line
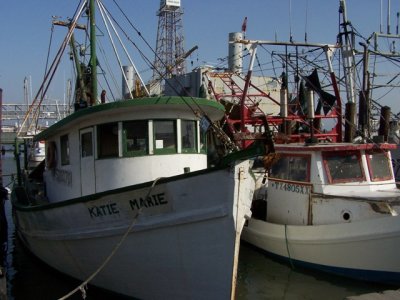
(244, 25)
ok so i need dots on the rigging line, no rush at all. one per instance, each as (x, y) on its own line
(306, 25)
(159, 73)
(138, 32)
(220, 133)
(126, 52)
(112, 75)
(150, 64)
(48, 50)
(113, 45)
(373, 77)
(262, 73)
(46, 82)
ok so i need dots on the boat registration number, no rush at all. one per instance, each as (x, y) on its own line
(291, 187)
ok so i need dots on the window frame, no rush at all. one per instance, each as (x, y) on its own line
(165, 150)
(344, 153)
(82, 134)
(306, 157)
(138, 152)
(194, 148)
(370, 169)
(100, 155)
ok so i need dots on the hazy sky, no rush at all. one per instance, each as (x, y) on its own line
(25, 30)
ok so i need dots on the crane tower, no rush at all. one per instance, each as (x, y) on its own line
(169, 58)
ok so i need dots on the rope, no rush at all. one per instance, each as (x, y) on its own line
(287, 248)
(82, 286)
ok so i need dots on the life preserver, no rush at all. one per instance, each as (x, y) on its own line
(51, 155)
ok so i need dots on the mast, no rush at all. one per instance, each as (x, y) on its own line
(347, 54)
(93, 58)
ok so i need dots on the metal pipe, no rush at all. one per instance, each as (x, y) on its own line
(349, 131)
(93, 57)
(384, 122)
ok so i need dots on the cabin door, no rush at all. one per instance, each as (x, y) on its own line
(88, 178)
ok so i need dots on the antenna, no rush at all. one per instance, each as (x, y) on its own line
(306, 25)
(388, 17)
(290, 21)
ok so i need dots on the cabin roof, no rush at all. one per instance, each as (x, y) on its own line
(212, 109)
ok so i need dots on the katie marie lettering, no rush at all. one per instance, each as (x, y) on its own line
(96, 211)
(151, 201)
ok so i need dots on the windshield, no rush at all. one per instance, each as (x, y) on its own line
(291, 167)
(343, 166)
(379, 166)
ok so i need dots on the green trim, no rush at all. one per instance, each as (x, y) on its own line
(131, 103)
(256, 149)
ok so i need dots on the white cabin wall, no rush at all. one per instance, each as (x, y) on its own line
(63, 182)
(121, 172)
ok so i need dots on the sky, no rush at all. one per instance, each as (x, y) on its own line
(25, 31)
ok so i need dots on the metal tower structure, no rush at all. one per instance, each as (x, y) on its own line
(169, 58)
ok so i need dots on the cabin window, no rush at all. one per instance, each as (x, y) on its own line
(379, 165)
(188, 136)
(107, 139)
(87, 144)
(135, 138)
(164, 136)
(343, 166)
(291, 167)
(64, 143)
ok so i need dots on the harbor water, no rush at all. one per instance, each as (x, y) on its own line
(259, 276)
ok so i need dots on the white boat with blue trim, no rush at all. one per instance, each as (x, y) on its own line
(332, 207)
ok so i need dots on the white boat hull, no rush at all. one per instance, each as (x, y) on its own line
(366, 250)
(183, 243)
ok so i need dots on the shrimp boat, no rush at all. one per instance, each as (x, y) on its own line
(126, 199)
(326, 199)
(332, 207)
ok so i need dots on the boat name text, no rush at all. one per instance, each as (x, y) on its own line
(63, 176)
(151, 201)
(156, 200)
(291, 187)
(103, 210)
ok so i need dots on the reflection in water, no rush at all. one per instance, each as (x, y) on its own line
(261, 277)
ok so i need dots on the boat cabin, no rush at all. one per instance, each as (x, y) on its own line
(327, 183)
(118, 144)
